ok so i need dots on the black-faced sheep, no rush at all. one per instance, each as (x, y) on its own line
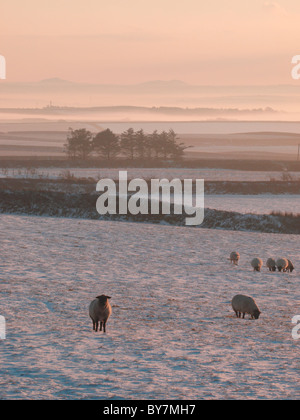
(234, 258)
(245, 305)
(256, 264)
(99, 311)
(271, 264)
(282, 264)
(290, 267)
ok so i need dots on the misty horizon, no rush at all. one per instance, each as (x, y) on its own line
(280, 101)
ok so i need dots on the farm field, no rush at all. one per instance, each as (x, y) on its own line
(172, 333)
(97, 173)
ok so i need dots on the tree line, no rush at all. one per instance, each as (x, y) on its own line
(133, 145)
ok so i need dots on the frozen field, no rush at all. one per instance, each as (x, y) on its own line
(258, 204)
(149, 173)
(172, 333)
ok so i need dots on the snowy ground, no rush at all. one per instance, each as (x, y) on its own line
(149, 173)
(172, 333)
(257, 204)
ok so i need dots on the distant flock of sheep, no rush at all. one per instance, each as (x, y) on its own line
(246, 305)
(282, 264)
(100, 308)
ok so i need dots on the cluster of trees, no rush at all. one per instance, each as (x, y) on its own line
(82, 144)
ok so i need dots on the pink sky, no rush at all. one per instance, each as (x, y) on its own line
(116, 41)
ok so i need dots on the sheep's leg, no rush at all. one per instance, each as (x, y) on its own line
(104, 326)
(101, 325)
(244, 315)
(97, 324)
(93, 322)
(237, 315)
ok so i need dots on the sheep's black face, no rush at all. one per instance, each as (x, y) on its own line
(256, 314)
(103, 299)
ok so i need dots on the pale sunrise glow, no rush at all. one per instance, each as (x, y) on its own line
(96, 41)
(149, 202)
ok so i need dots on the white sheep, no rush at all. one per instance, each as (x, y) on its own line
(245, 305)
(271, 264)
(234, 258)
(99, 311)
(282, 264)
(290, 267)
(256, 264)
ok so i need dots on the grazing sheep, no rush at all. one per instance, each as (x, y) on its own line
(100, 311)
(290, 267)
(256, 264)
(234, 258)
(271, 264)
(245, 305)
(282, 264)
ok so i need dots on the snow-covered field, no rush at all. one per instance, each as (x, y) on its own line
(149, 173)
(281, 150)
(257, 204)
(172, 333)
